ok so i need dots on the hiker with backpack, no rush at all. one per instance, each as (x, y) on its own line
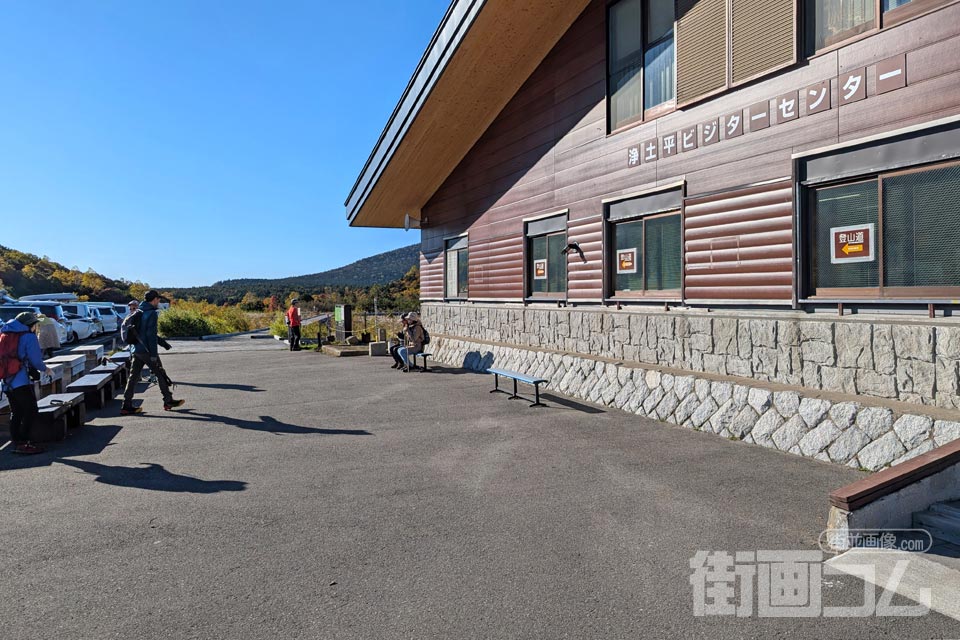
(19, 353)
(139, 328)
(415, 337)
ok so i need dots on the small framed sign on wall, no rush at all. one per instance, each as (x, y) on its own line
(627, 260)
(540, 269)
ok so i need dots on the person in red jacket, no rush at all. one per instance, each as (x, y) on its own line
(293, 324)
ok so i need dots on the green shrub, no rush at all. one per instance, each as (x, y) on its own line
(183, 323)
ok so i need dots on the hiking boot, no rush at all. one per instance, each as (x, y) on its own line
(129, 411)
(27, 449)
(173, 404)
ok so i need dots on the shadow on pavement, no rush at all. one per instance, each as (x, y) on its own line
(265, 423)
(153, 477)
(85, 441)
(570, 404)
(227, 387)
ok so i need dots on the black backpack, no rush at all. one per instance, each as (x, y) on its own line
(426, 336)
(130, 329)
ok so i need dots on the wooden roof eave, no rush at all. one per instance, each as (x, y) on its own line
(480, 56)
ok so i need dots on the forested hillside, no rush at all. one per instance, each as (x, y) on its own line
(23, 274)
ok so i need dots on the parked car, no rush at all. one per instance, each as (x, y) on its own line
(111, 321)
(122, 311)
(84, 310)
(81, 327)
(52, 309)
(11, 311)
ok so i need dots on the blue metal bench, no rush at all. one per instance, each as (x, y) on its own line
(517, 377)
(423, 355)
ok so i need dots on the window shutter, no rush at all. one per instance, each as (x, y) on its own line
(763, 37)
(701, 48)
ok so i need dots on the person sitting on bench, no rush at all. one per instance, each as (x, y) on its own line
(394, 349)
(413, 341)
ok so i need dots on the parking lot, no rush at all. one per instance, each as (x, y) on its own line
(303, 496)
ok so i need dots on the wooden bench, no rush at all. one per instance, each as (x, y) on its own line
(97, 389)
(57, 413)
(517, 377)
(423, 355)
(92, 352)
(124, 358)
(74, 365)
(118, 371)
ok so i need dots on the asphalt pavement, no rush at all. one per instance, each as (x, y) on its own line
(298, 495)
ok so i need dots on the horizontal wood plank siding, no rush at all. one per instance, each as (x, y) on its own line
(431, 275)
(731, 244)
(548, 150)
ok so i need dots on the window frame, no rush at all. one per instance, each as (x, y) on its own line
(446, 275)
(552, 224)
(879, 293)
(645, 115)
(611, 293)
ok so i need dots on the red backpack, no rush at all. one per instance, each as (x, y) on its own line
(9, 362)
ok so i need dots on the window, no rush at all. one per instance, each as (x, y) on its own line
(833, 21)
(456, 275)
(546, 260)
(641, 59)
(914, 219)
(644, 235)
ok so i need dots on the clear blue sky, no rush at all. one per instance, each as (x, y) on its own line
(228, 131)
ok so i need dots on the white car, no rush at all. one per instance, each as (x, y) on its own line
(108, 315)
(80, 328)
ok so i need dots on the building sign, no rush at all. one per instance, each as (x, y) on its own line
(892, 73)
(849, 87)
(627, 260)
(540, 269)
(854, 243)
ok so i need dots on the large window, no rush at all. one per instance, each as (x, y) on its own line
(646, 256)
(896, 235)
(641, 59)
(830, 22)
(546, 256)
(456, 274)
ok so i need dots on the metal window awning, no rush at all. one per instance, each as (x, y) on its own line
(480, 56)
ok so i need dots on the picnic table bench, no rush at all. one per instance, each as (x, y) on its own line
(92, 352)
(74, 365)
(517, 377)
(97, 388)
(57, 413)
(118, 371)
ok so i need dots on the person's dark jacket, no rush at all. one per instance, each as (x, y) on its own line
(146, 346)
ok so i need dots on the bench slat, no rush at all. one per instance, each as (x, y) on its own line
(517, 376)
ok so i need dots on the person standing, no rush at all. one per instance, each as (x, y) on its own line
(19, 387)
(47, 335)
(293, 324)
(145, 354)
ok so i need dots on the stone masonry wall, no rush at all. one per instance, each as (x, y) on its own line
(840, 432)
(910, 360)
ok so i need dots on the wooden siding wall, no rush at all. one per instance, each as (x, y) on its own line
(739, 244)
(549, 151)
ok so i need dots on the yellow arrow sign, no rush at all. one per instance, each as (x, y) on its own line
(852, 248)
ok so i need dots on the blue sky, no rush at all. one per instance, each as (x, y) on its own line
(182, 142)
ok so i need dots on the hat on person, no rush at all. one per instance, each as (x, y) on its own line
(295, 301)
(413, 316)
(150, 296)
(27, 318)
(136, 302)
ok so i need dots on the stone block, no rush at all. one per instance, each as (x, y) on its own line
(912, 430)
(744, 340)
(656, 395)
(721, 391)
(819, 438)
(701, 343)
(815, 331)
(702, 388)
(818, 352)
(787, 403)
(789, 366)
(853, 345)
(667, 406)
(921, 449)
(740, 395)
(715, 364)
(843, 414)
(838, 380)
(764, 333)
(945, 431)
(725, 335)
(703, 413)
(760, 399)
(686, 408)
(813, 410)
(683, 386)
(377, 349)
(811, 375)
(875, 421)
(881, 452)
(915, 377)
(636, 400)
(737, 366)
(764, 363)
(626, 391)
(913, 342)
(847, 445)
(766, 426)
(884, 356)
(721, 420)
(666, 381)
(876, 384)
(653, 378)
(948, 343)
(788, 334)
(788, 435)
(743, 422)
